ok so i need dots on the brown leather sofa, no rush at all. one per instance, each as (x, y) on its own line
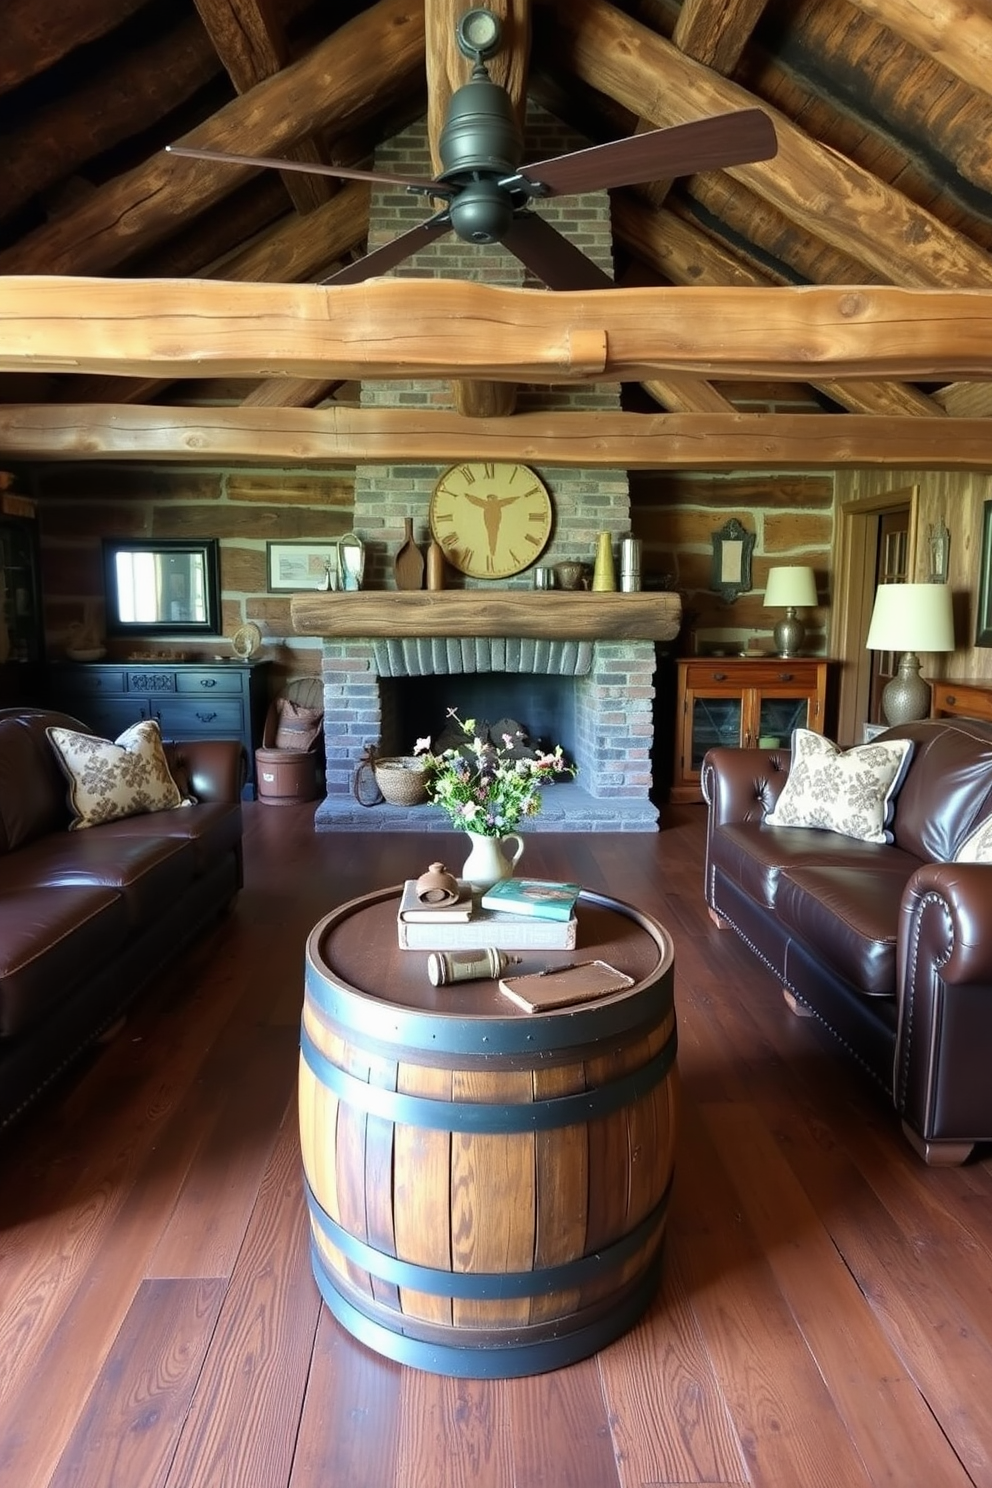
(888, 945)
(88, 917)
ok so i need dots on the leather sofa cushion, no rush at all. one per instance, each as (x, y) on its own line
(754, 856)
(213, 829)
(148, 871)
(32, 791)
(849, 916)
(947, 790)
(50, 940)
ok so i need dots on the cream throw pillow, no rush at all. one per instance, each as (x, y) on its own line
(850, 791)
(110, 780)
(978, 847)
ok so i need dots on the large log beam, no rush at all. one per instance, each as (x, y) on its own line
(956, 33)
(826, 195)
(448, 70)
(625, 441)
(369, 58)
(436, 328)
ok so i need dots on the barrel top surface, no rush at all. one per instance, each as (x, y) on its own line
(355, 949)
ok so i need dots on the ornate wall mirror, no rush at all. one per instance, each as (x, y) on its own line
(163, 587)
(731, 571)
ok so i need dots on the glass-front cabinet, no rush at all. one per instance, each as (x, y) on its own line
(743, 704)
(21, 634)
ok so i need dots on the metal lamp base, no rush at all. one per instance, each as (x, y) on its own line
(789, 634)
(906, 699)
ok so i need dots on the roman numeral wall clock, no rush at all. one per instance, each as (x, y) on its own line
(491, 520)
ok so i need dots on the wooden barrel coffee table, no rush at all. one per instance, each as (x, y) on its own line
(488, 1188)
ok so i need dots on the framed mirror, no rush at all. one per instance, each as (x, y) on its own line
(162, 587)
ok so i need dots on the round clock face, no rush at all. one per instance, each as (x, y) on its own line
(491, 520)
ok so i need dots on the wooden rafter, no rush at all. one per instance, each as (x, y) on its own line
(588, 440)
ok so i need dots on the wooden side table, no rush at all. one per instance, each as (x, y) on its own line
(488, 1188)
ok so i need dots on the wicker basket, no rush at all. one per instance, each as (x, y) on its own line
(401, 780)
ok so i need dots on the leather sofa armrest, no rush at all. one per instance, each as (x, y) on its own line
(741, 785)
(946, 924)
(209, 769)
(940, 1079)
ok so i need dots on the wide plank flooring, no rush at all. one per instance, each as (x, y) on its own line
(825, 1311)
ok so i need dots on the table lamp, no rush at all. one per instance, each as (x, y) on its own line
(790, 589)
(910, 618)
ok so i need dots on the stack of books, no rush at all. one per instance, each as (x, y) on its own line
(525, 914)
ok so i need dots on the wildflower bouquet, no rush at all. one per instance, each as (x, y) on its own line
(482, 786)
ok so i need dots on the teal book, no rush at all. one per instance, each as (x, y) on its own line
(542, 898)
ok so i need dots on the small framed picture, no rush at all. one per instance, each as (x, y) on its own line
(302, 565)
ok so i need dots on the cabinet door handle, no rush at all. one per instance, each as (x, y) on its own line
(208, 681)
(785, 676)
(719, 676)
(206, 717)
(950, 699)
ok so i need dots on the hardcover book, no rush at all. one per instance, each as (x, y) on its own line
(415, 912)
(542, 898)
(488, 927)
(564, 985)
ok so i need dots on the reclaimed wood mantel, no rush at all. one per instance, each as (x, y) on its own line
(541, 615)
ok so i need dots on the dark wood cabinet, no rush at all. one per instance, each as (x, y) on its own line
(742, 703)
(190, 700)
(961, 700)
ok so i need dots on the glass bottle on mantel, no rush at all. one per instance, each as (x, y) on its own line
(435, 565)
(604, 574)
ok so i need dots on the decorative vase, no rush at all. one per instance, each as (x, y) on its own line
(435, 566)
(604, 574)
(487, 863)
(408, 565)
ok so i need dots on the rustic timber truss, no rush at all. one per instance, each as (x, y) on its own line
(128, 274)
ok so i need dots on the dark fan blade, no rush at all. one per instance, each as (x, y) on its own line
(551, 257)
(395, 251)
(341, 171)
(705, 144)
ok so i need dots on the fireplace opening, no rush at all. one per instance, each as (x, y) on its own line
(417, 707)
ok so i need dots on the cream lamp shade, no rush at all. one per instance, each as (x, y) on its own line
(908, 618)
(790, 589)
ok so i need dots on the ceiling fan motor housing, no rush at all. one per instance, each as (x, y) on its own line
(481, 131)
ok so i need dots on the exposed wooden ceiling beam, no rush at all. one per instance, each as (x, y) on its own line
(686, 256)
(828, 196)
(250, 40)
(956, 33)
(591, 440)
(361, 65)
(448, 70)
(442, 328)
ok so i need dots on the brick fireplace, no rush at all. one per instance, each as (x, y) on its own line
(599, 683)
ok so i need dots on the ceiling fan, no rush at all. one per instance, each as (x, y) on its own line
(487, 192)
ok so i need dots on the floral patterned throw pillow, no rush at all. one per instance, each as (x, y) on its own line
(978, 847)
(850, 791)
(110, 780)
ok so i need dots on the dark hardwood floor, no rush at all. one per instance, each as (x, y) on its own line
(824, 1317)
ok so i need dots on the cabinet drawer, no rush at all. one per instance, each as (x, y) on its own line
(216, 719)
(702, 676)
(210, 684)
(87, 681)
(962, 700)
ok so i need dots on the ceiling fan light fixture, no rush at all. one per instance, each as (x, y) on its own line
(479, 34)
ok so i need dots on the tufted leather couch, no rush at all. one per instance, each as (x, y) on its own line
(88, 917)
(888, 945)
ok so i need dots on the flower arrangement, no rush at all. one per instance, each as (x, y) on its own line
(483, 787)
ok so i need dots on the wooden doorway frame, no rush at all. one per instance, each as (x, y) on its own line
(854, 561)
